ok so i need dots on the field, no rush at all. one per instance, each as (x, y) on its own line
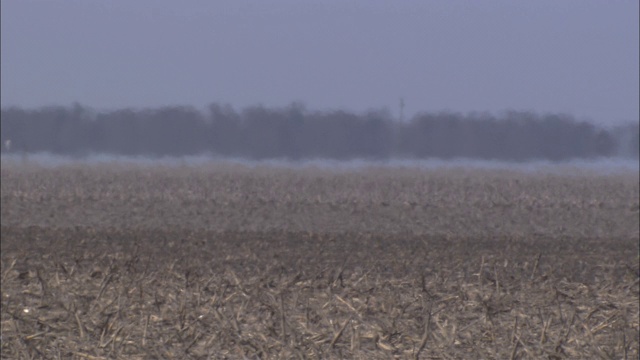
(229, 261)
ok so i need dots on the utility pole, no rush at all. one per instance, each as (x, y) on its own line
(401, 109)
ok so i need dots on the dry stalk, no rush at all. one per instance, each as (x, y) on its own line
(559, 308)
(425, 336)
(355, 339)
(112, 338)
(514, 350)
(535, 266)
(339, 333)
(6, 273)
(568, 326)
(515, 329)
(195, 339)
(525, 347)
(346, 303)
(480, 274)
(104, 331)
(80, 327)
(43, 284)
(121, 345)
(282, 319)
(104, 284)
(31, 337)
(339, 276)
(144, 332)
(545, 328)
(594, 344)
(306, 313)
(495, 272)
(604, 324)
(87, 356)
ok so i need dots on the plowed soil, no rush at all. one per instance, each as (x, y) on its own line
(227, 261)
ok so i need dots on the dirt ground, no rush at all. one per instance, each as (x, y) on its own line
(231, 262)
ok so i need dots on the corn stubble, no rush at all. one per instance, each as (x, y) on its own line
(226, 261)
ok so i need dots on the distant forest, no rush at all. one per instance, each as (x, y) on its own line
(295, 133)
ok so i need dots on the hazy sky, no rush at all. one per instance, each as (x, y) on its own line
(578, 57)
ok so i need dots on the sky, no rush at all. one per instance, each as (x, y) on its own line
(579, 57)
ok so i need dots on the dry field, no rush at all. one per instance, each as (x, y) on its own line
(232, 262)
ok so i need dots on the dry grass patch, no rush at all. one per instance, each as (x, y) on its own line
(184, 294)
(112, 261)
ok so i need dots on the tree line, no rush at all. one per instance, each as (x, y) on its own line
(295, 133)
